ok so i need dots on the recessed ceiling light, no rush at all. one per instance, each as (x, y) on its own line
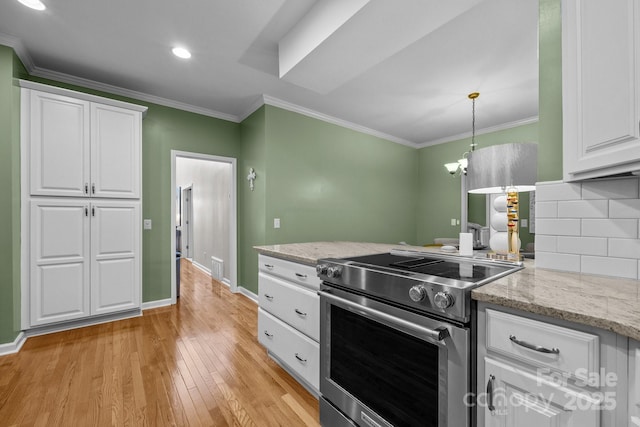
(181, 52)
(33, 4)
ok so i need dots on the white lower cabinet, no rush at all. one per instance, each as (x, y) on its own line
(538, 371)
(85, 259)
(634, 383)
(523, 398)
(289, 317)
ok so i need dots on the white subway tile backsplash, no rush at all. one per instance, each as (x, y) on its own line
(624, 228)
(625, 188)
(546, 209)
(609, 266)
(557, 191)
(546, 243)
(558, 227)
(582, 245)
(583, 209)
(624, 208)
(555, 261)
(624, 248)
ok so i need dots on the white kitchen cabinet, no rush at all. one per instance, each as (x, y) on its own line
(289, 317)
(601, 88)
(85, 258)
(524, 398)
(82, 148)
(60, 261)
(634, 383)
(538, 371)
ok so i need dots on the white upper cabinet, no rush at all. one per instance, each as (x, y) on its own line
(601, 88)
(59, 129)
(82, 147)
(115, 152)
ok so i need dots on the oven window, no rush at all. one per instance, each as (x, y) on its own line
(393, 373)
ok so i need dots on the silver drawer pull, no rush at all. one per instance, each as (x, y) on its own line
(269, 266)
(269, 297)
(300, 358)
(533, 347)
(302, 276)
(490, 406)
(268, 334)
(300, 312)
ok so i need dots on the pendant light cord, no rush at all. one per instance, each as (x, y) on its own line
(473, 97)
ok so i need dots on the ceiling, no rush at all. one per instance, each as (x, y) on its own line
(399, 70)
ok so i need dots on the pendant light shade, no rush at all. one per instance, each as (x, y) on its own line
(498, 167)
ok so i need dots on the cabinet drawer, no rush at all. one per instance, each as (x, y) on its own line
(301, 274)
(291, 303)
(296, 350)
(576, 353)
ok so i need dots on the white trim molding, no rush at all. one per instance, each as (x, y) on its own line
(149, 305)
(13, 347)
(247, 293)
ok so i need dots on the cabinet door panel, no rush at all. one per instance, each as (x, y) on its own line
(115, 152)
(522, 398)
(59, 157)
(115, 254)
(59, 263)
(600, 88)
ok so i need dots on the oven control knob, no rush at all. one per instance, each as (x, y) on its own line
(321, 269)
(334, 272)
(417, 293)
(443, 300)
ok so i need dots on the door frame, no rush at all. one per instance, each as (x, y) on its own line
(233, 220)
(187, 222)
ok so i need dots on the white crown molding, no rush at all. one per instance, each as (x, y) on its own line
(275, 102)
(483, 131)
(116, 90)
(19, 49)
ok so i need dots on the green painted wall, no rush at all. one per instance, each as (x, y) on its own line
(10, 193)
(251, 204)
(439, 199)
(550, 91)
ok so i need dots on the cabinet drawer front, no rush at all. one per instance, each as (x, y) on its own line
(577, 352)
(293, 304)
(296, 350)
(304, 275)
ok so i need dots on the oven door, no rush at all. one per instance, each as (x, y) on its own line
(384, 366)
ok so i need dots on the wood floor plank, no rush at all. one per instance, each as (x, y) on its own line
(196, 363)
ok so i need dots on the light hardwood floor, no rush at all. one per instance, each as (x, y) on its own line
(195, 363)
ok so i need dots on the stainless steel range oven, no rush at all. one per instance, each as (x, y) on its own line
(397, 339)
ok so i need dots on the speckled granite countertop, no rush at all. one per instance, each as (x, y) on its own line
(310, 253)
(606, 303)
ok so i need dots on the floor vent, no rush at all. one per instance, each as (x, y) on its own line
(217, 268)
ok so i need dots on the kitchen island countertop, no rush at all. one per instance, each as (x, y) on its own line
(602, 302)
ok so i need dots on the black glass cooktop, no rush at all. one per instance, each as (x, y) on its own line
(464, 270)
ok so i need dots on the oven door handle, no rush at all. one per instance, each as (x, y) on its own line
(437, 334)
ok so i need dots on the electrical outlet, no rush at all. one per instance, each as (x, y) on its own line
(276, 222)
(524, 223)
(147, 224)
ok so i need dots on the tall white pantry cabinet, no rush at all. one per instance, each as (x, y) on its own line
(81, 206)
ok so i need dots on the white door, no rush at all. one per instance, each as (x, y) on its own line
(59, 282)
(601, 87)
(115, 256)
(59, 147)
(115, 152)
(524, 399)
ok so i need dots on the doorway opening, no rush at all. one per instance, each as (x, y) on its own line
(204, 188)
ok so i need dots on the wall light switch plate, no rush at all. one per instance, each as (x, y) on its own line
(276, 222)
(453, 221)
(147, 224)
(524, 223)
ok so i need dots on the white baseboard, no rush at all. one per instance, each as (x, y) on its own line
(201, 267)
(247, 293)
(13, 347)
(156, 304)
(90, 321)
